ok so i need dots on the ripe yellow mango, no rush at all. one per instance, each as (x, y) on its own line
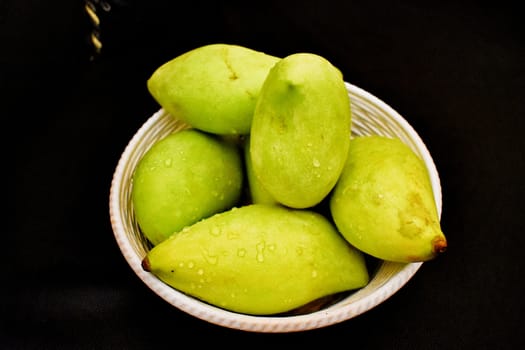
(259, 259)
(183, 178)
(213, 87)
(301, 130)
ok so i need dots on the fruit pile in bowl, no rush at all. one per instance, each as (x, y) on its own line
(268, 194)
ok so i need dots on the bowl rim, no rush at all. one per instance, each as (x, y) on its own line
(254, 323)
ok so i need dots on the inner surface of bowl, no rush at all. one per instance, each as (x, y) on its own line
(370, 116)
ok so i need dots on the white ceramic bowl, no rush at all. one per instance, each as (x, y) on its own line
(370, 115)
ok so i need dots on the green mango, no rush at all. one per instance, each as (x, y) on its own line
(213, 88)
(259, 259)
(301, 130)
(383, 203)
(182, 178)
(256, 191)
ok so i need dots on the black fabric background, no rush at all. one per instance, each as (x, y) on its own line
(454, 70)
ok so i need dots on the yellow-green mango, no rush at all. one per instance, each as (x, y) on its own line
(383, 203)
(259, 259)
(301, 130)
(256, 191)
(182, 178)
(213, 87)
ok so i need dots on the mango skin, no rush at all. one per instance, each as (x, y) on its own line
(301, 130)
(213, 88)
(383, 203)
(183, 178)
(256, 192)
(259, 259)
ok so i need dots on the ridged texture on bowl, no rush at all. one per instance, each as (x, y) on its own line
(369, 116)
